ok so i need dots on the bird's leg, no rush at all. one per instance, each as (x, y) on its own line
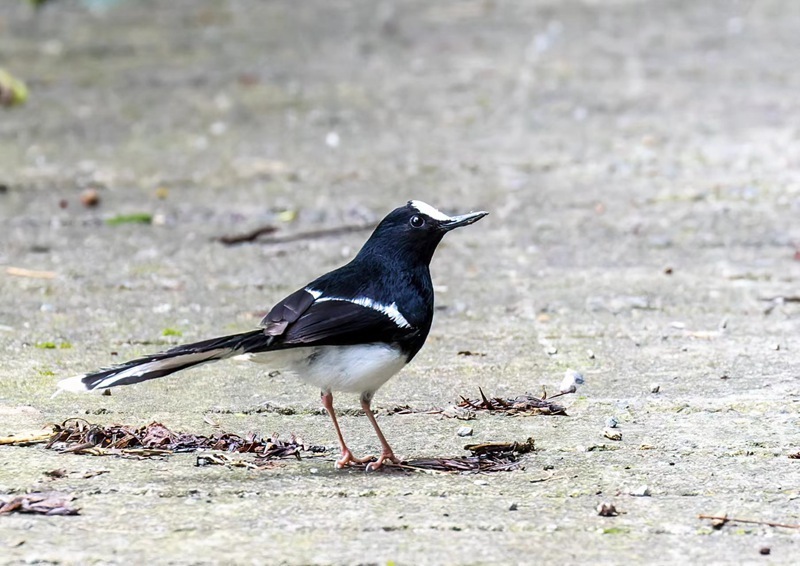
(347, 456)
(386, 450)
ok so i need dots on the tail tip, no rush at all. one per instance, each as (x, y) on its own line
(72, 384)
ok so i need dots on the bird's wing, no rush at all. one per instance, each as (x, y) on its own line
(303, 319)
(341, 322)
(286, 312)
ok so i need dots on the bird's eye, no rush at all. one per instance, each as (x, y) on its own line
(417, 221)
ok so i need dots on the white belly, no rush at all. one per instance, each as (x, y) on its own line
(352, 369)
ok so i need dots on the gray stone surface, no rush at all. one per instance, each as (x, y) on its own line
(640, 160)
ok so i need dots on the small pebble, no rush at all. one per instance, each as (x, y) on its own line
(590, 354)
(607, 510)
(611, 422)
(332, 139)
(612, 434)
(512, 507)
(572, 379)
(641, 491)
(464, 431)
(90, 198)
(314, 470)
(764, 550)
(655, 387)
(481, 482)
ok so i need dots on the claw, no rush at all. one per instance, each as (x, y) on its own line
(348, 458)
(378, 464)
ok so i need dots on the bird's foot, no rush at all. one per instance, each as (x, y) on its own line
(377, 464)
(347, 458)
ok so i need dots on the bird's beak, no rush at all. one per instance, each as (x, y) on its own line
(462, 220)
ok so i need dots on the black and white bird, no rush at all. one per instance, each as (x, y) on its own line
(348, 331)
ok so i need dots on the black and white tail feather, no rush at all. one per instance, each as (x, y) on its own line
(168, 362)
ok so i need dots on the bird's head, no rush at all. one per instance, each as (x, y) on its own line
(412, 232)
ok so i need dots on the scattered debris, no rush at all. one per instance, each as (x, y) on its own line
(464, 431)
(298, 236)
(225, 460)
(90, 198)
(469, 353)
(52, 345)
(30, 273)
(612, 434)
(486, 457)
(465, 410)
(56, 474)
(135, 218)
(795, 456)
(406, 410)
(12, 90)
(457, 412)
(641, 491)
(719, 521)
(250, 236)
(655, 388)
(572, 379)
(524, 404)
(607, 510)
(780, 300)
(501, 448)
(81, 437)
(262, 408)
(41, 503)
(26, 438)
(63, 473)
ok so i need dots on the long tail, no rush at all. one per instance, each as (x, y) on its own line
(165, 363)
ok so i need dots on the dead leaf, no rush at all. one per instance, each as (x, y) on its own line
(44, 503)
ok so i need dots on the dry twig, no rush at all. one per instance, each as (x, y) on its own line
(30, 273)
(26, 438)
(254, 235)
(719, 521)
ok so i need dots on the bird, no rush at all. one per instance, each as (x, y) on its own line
(348, 331)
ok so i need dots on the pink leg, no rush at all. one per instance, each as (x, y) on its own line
(347, 456)
(386, 450)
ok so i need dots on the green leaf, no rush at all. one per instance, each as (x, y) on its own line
(135, 218)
